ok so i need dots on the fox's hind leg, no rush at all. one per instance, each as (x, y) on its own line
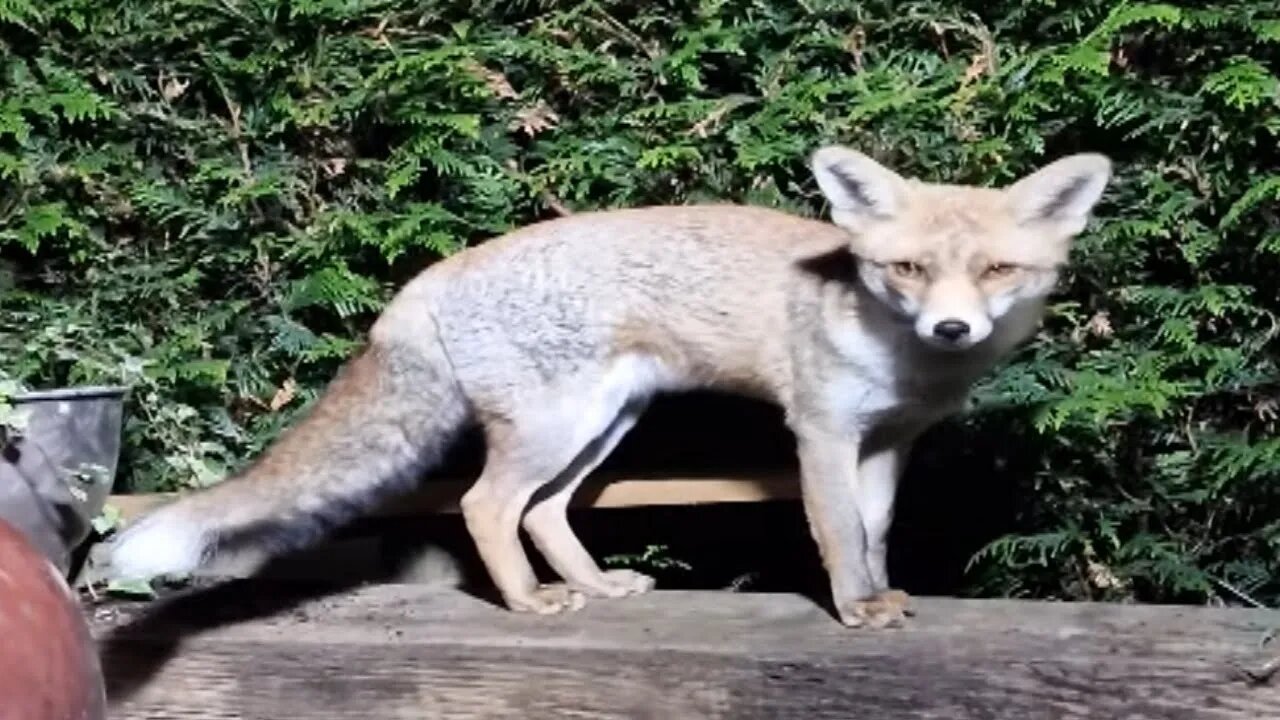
(555, 437)
(517, 463)
(547, 521)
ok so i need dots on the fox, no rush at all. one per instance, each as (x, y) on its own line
(552, 338)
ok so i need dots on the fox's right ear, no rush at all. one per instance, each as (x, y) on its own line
(861, 190)
(1061, 193)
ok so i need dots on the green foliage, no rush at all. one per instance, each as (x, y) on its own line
(210, 201)
(654, 557)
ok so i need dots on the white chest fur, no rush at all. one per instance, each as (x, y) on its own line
(888, 377)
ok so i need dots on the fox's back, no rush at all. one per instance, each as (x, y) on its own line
(674, 241)
(698, 286)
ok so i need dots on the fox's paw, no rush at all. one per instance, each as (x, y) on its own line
(548, 600)
(884, 610)
(624, 583)
(613, 584)
(896, 598)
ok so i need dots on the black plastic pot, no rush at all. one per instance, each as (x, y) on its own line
(56, 475)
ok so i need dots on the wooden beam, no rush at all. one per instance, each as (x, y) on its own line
(246, 650)
(441, 496)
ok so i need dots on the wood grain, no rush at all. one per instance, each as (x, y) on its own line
(247, 650)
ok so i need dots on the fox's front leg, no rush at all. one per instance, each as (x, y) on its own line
(876, 489)
(829, 488)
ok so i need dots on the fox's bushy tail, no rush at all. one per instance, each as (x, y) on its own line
(389, 416)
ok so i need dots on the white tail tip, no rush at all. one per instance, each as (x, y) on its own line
(163, 543)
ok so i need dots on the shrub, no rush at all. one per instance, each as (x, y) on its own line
(210, 202)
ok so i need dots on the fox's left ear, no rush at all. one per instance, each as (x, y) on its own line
(1061, 193)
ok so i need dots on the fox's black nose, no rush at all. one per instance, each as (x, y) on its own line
(951, 330)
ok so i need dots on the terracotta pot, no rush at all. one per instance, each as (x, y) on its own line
(49, 668)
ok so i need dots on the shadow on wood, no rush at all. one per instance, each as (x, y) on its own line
(133, 653)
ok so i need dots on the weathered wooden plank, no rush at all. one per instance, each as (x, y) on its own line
(441, 496)
(392, 651)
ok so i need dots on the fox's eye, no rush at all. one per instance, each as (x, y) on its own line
(907, 269)
(997, 270)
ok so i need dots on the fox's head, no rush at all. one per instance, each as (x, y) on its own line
(955, 259)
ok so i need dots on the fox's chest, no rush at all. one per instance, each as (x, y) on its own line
(885, 383)
(866, 403)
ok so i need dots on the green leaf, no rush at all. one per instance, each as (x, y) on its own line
(131, 588)
(1243, 84)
